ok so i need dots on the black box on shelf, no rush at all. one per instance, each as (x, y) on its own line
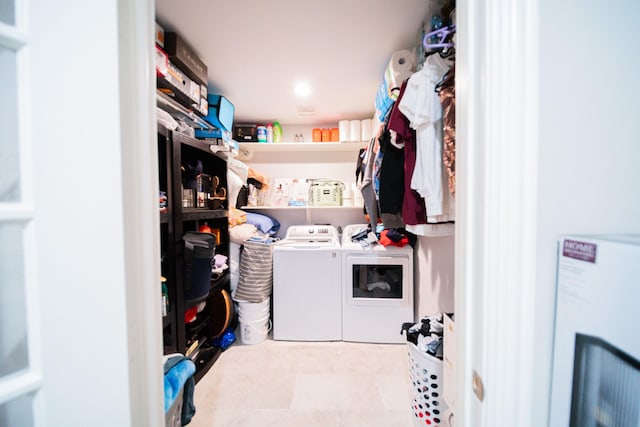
(183, 55)
(245, 133)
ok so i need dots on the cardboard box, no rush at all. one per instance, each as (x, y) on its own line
(181, 88)
(181, 54)
(159, 35)
(162, 62)
(596, 360)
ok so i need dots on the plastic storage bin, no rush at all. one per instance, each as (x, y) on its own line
(429, 407)
(173, 417)
(199, 249)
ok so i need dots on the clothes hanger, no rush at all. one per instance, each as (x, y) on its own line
(446, 79)
(442, 34)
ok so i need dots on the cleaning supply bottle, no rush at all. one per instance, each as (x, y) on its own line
(269, 133)
(165, 296)
(277, 132)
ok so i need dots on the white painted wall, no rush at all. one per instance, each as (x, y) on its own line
(589, 148)
(434, 259)
(79, 213)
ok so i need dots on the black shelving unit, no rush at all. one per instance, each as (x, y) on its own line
(174, 151)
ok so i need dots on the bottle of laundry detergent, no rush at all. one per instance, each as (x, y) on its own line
(277, 132)
(269, 133)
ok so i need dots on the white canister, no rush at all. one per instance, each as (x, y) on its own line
(354, 131)
(365, 134)
(343, 128)
(357, 195)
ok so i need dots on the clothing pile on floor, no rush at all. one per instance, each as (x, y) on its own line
(427, 334)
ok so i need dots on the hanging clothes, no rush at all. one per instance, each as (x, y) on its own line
(391, 193)
(447, 90)
(413, 209)
(414, 213)
(366, 186)
(421, 105)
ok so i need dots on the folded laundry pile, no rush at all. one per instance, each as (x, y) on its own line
(426, 334)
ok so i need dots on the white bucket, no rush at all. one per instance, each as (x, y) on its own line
(253, 310)
(254, 331)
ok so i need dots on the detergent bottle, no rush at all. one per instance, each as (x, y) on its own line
(269, 133)
(277, 132)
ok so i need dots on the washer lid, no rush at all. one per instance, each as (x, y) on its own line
(312, 232)
(308, 243)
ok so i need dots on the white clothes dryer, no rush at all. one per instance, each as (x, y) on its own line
(377, 284)
(307, 285)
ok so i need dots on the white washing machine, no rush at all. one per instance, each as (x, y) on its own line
(307, 285)
(377, 286)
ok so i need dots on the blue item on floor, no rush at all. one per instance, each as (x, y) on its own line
(178, 378)
(225, 340)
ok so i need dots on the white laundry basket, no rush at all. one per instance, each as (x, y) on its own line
(429, 407)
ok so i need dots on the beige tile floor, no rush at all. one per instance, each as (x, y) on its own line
(279, 383)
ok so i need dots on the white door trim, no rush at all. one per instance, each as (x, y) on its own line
(140, 206)
(497, 117)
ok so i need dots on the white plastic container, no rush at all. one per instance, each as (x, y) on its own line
(254, 331)
(254, 320)
(425, 372)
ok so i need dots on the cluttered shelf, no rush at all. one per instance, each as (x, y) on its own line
(192, 214)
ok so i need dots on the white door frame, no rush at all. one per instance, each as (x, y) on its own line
(497, 116)
(92, 98)
(136, 22)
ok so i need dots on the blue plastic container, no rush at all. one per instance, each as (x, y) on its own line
(220, 112)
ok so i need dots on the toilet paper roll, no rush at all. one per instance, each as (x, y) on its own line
(400, 67)
(343, 128)
(365, 133)
(354, 131)
(375, 126)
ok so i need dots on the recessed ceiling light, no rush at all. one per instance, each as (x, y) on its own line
(302, 89)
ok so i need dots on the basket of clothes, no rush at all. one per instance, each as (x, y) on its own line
(424, 347)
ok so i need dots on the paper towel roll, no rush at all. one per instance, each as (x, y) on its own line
(365, 133)
(394, 92)
(343, 128)
(354, 131)
(400, 67)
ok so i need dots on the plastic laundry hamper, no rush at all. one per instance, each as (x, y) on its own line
(429, 407)
(173, 417)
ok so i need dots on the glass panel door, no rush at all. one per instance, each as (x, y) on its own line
(13, 323)
(20, 377)
(10, 153)
(7, 12)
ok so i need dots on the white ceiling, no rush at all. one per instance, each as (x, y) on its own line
(256, 50)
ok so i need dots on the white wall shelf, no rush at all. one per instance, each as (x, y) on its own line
(261, 152)
(338, 216)
(300, 207)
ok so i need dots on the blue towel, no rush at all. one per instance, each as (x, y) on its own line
(178, 371)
